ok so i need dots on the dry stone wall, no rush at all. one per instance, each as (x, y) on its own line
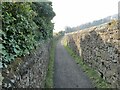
(99, 47)
(28, 71)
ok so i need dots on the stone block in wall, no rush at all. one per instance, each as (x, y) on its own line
(118, 78)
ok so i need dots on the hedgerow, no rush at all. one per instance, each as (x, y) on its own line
(24, 24)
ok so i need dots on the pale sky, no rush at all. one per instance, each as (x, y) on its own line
(76, 12)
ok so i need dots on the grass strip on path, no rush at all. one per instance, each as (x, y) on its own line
(50, 72)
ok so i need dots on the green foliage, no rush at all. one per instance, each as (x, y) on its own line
(43, 19)
(61, 33)
(20, 28)
(50, 72)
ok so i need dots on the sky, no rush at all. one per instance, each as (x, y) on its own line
(76, 12)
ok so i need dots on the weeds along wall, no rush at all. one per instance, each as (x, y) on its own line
(99, 47)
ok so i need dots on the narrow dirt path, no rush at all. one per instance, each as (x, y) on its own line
(67, 73)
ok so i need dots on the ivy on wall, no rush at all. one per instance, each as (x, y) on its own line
(24, 24)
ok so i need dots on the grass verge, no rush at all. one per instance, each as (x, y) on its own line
(91, 73)
(49, 76)
(50, 72)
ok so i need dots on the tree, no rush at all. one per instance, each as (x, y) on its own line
(43, 19)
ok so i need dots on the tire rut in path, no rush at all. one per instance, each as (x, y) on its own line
(67, 73)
